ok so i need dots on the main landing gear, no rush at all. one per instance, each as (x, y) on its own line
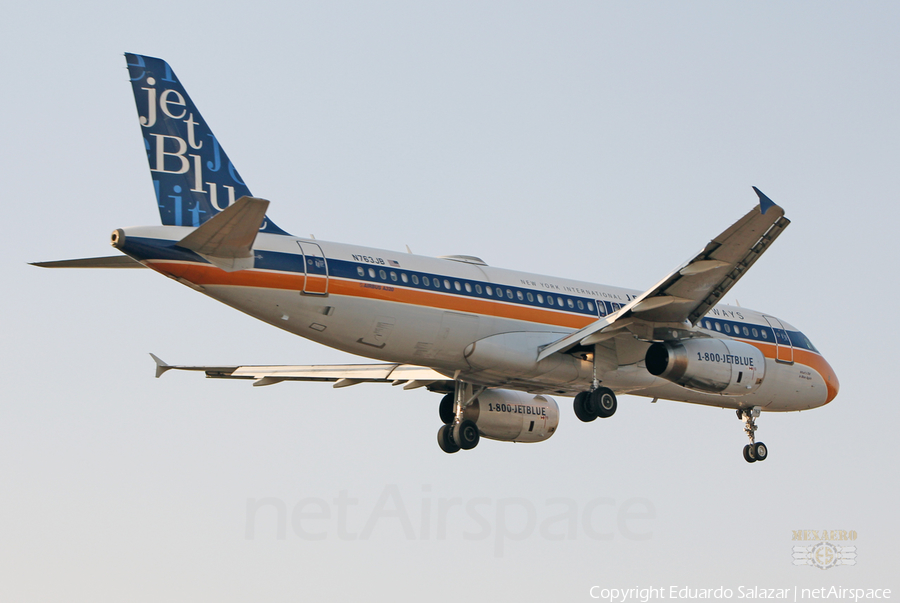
(458, 433)
(754, 451)
(600, 402)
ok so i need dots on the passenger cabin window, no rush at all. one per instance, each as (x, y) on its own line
(457, 286)
(580, 305)
(403, 277)
(746, 332)
(371, 272)
(468, 288)
(765, 334)
(478, 289)
(426, 281)
(360, 271)
(509, 293)
(415, 279)
(571, 303)
(755, 332)
(529, 296)
(446, 284)
(489, 289)
(520, 296)
(590, 306)
(540, 298)
(393, 276)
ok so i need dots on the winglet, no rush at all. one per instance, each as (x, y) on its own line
(161, 367)
(764, 202)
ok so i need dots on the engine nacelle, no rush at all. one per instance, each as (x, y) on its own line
(513, 416)
(720, 366)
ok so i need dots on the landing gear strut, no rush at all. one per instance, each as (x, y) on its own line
(598, 401)
(458, 433)
(601, 402)
(754, 451)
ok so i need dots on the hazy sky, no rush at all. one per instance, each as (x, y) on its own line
(605, 141)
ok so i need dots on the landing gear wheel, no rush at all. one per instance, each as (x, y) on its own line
(446, 409)
(604, 401)
(581, 411)
(754, 451)
(445, 441)
(466, 435)
(748, 454)
(760, 452)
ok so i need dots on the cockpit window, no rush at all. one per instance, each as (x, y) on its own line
(799, 340)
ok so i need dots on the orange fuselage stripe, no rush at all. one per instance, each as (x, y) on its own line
(204, 274)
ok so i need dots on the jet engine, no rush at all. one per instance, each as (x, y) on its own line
(720, 366)
(513, 416)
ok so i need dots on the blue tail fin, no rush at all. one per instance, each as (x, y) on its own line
(192, 175)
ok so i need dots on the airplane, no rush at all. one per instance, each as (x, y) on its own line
(494, 343)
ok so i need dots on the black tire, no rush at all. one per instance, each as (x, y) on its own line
(748, 454)
(604, 401)
(760, 452)
(581, 412)
(446, 409)
(445, 441)
(466, 435)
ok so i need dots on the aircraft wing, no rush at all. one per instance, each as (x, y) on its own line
(342, 375)
(688, 292)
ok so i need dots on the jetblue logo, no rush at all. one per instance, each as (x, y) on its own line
(192, 175)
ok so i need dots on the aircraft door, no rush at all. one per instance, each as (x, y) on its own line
(784, 349)
(316, 268)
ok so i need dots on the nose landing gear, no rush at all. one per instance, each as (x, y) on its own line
(754, 451)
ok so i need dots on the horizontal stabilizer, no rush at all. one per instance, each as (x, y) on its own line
(115, 261)
(226, 240)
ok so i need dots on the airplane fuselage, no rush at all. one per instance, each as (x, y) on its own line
(480, 323)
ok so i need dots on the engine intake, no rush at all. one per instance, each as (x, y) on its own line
(720, 366)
